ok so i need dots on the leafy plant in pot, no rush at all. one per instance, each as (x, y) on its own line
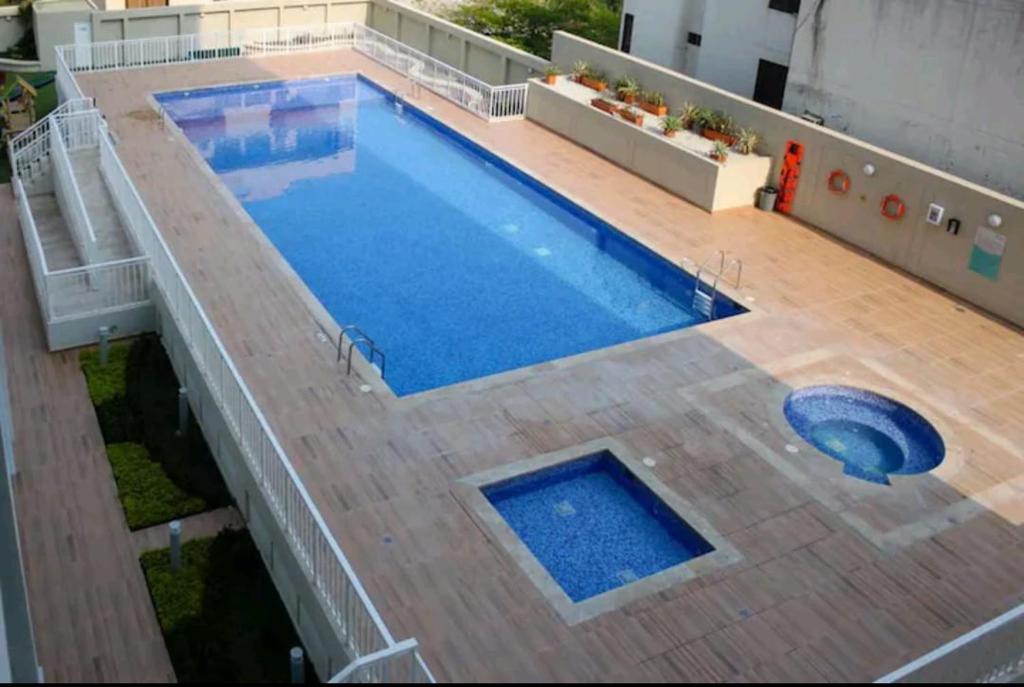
(595, 78)
(688, 115)
(627, 89)
(632, 115)
(671, 125)
(720, 127)
(579, 70)
(654, 102)
(551, 75)
(720, 152)
(747, 141)
(702, 117)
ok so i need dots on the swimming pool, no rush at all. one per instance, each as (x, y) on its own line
(458, 265)
(593, 525)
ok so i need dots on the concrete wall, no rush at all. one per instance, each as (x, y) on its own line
(940, 81)
(11, 27)
(686, 173)
(910, 243)
(735, 35)
(660, 30)
(489, 60)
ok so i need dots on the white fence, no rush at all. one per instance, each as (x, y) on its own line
(494, 103)
(346, 603)
(29, 151)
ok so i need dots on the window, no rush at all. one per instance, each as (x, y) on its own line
(787, 6)
(627, 33)
(693, 39)
(771, 83)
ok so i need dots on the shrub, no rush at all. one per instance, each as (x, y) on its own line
(119, 420)
(221, 616)
(148, 496)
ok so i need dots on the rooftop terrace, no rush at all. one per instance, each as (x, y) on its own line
(838, 580)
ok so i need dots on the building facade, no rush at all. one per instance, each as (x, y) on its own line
(940, 81)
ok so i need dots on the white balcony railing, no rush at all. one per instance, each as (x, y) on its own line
(29, 151)
(493, 103)
(69, 198)
(345, 601)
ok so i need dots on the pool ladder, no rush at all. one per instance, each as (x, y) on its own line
(357, 336)
(704, 298)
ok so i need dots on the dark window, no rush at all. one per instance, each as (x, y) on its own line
(771, 83)
(787, 6)
(693, 39)
(627, 33)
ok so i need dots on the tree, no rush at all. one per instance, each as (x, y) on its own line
(529, 24)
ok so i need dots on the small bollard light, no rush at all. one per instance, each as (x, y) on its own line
(104, 345)
(175, 531)
(298, 665)
(182, 411)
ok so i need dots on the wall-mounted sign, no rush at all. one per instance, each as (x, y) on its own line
(935, 213)
(987, 253)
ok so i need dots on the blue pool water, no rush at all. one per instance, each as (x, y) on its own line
(593, 525)
(457, 264)
(873, 436)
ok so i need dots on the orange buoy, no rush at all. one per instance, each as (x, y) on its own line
(839, 182)
(893, 207)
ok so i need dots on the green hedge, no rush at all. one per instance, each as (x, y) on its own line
(148, 496)
(136, 399)
(221, 616)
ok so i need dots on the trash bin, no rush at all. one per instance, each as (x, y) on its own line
(766, 198)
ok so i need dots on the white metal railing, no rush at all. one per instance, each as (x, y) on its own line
(993, 652)
(494, 103)
(399, 663)
(33, 247)
(331, 576)
(29, 151)
(69, 198)
(98, 288)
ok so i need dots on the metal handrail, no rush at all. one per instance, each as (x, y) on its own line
(374, 352)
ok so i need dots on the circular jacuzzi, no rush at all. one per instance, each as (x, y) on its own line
(873, 436)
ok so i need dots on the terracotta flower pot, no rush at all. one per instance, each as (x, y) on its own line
(604, 105)
(656, 110)
(671, 134)
(596, 85)
(550, 79)
(637, 119)
(713, 135)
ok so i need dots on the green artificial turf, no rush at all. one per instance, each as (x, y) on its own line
(221, 616)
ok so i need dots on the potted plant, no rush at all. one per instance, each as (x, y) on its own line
(720, 127)
(654, 102)
(671, 125)
(719, 152)
(594, 78)
(632, 115)
(746, 141)
(627, 89)
(551, 75)
(579, 70)
(605, 105)
(687, 114)
(702, 117)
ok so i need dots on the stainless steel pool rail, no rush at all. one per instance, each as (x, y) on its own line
(704, 300)
(360, 337)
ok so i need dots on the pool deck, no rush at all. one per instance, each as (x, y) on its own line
(839, 579)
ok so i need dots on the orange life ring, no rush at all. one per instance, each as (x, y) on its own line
(893, 207)
(843, 178)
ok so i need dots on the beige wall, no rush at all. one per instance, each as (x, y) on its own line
(488, 60)
(911, 243)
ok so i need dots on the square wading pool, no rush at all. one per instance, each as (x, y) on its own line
(457, 264)
(595, 529)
